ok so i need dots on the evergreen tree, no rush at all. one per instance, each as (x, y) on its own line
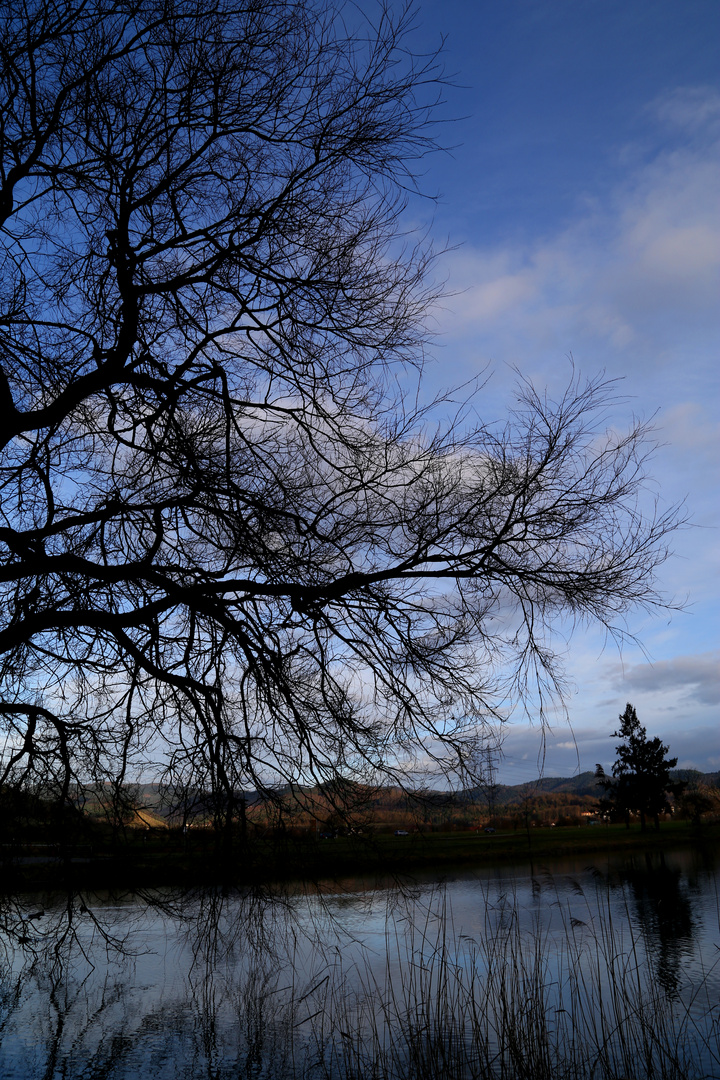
(641, 774)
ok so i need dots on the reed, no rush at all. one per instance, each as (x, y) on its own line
(578, 1002)
(564, 987)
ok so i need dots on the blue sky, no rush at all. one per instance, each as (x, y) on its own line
(582, 204)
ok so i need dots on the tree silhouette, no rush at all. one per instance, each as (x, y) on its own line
(641, 774)
(228, 546)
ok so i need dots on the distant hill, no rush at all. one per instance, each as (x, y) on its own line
(712, 779)
(512, 794)
(582, 786)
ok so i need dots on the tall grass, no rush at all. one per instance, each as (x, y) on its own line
(568, 990)
(512, 1003)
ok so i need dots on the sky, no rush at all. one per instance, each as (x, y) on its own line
(580, 209)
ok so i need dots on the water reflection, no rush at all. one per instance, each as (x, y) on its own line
(256, 983)
(664, 912)
(96, 984)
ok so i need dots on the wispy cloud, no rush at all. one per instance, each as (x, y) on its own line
(689, 109)
(629, 283)
(635, 274)
(697, 676)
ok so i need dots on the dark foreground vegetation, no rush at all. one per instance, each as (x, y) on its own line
(507, 1004)
(136, 835)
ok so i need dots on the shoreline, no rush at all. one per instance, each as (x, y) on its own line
(264, 862)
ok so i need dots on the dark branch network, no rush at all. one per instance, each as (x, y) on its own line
(227, 546)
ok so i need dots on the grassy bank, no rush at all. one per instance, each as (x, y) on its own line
(176, 858)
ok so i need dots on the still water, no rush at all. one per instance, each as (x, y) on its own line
(590, 968)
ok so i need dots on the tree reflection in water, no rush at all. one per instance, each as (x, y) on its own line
(261, 984)
(664, 912)
(86, 988)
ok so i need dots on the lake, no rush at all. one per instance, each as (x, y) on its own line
(562, 970)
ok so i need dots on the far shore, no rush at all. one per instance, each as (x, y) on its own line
(173, 858)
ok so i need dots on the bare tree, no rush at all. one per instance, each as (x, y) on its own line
(227, 546)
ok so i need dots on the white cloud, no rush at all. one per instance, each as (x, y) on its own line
(629, 284)
(636, 275)
(688, 109)
(690, 429)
